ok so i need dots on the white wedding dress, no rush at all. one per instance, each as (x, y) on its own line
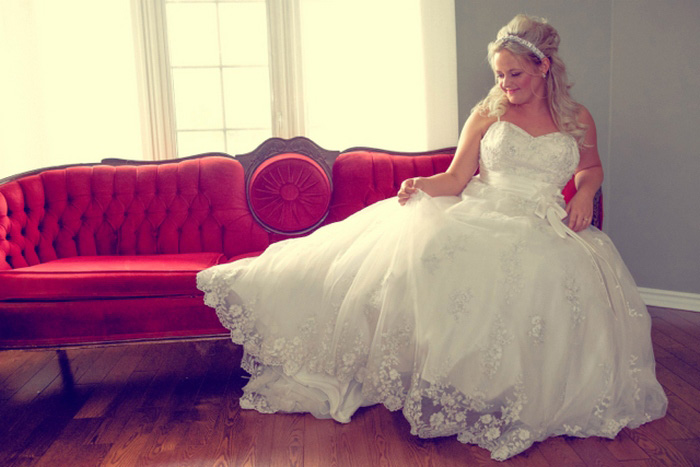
(480, 316)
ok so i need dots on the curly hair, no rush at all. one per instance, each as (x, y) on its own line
(563, 107)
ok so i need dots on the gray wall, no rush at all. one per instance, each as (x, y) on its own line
(634, 64)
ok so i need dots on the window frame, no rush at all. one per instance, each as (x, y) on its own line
(156, 96)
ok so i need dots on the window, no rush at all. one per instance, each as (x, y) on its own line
(218, 57)
(223, 75)
(210, 85)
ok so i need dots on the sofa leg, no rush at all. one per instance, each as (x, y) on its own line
(66, 372)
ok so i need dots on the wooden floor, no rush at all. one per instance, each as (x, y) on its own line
(177, 404)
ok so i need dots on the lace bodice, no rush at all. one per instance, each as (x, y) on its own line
(507, 148)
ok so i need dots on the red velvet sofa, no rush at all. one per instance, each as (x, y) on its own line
(108, 252)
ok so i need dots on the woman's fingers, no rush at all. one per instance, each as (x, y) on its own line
(407, 189)
(578, 221)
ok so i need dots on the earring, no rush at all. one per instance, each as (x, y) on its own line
(544, 75)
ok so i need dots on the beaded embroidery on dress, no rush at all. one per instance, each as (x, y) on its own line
(478, 316)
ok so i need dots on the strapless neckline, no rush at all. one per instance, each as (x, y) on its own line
(525, 132)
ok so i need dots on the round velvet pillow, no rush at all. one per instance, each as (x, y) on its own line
(289, 194)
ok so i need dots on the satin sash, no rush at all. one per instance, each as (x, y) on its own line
(549, 206)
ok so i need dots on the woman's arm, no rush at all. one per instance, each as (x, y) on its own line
(460, 171)
(588, 178)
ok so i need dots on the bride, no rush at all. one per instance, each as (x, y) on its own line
(479, 305)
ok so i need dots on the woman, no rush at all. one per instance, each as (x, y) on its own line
(473, 308)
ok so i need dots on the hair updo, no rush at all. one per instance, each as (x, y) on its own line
(542, 35)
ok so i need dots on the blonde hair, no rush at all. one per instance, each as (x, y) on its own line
(563, 107)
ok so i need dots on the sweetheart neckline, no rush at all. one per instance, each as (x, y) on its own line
(523, 131)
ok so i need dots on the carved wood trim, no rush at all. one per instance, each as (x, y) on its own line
(274, 146)
(449, 150)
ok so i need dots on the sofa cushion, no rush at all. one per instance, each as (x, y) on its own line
(289, 193)
(84, 277)
(33, 324)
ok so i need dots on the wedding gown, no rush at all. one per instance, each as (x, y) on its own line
(480, 316)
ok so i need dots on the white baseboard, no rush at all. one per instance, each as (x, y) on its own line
(670, 299)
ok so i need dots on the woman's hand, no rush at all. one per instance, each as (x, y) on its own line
(461, 169)
(408, 189)
(580, 210)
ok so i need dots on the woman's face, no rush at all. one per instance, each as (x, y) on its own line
(519, 79)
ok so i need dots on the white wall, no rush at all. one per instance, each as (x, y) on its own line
(68, 88)
(380, 73)
(635, 67)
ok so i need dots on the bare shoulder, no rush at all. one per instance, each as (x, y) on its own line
(478, 123)
(585, 117)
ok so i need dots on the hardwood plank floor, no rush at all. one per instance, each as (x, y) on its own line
(176, 404)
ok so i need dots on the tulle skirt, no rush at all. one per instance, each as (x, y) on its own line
(470, 314)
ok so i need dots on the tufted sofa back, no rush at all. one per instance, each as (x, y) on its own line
(194, 205)
(364, 176)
